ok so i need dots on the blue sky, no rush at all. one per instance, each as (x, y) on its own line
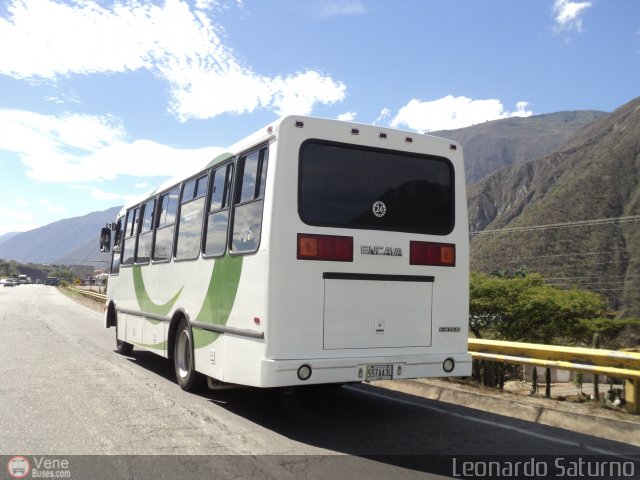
(102, 100)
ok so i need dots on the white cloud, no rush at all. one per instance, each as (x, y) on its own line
(50, 207)
(141, 185)
(385, 113)
(216, 4)
(341, 8)
(16, 220)
(521, 110)
(453, 112)
(22, 202)
(567, 14)
(83, 148)
(17, 227)
(176, 43)
(194, 95)
(347, 116)
(30, 133)
(98, 194)
(15, 214)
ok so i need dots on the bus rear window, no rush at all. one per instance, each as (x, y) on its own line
(355, 187)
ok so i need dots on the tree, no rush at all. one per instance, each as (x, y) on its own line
(523, 308)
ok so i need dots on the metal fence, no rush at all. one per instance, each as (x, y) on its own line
(613, 363)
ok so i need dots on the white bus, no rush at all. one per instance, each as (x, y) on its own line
(314, 252)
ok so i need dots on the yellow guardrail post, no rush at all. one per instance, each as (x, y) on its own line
(632, 395)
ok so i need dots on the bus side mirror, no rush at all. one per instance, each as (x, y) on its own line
(105, 240)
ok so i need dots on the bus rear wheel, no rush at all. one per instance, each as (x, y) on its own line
(186, 375)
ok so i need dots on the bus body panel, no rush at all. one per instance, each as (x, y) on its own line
(310, 313)
(341, 319)
(365, 314)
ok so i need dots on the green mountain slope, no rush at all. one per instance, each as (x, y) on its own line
(594, 176)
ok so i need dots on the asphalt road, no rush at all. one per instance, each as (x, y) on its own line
(66, 394)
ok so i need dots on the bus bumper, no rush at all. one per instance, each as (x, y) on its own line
(282, 373)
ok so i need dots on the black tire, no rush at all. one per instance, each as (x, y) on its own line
(122, 347)
(186, 375)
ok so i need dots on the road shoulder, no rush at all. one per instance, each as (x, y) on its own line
(585, 419)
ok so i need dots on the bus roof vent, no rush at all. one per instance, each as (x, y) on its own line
(299, 124)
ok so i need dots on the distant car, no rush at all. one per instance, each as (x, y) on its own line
(10, 282)
(52, 281)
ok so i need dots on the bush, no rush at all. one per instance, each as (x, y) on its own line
(615, 333)
(526, 309)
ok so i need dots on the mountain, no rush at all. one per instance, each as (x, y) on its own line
(589, 191)
(87, 253)
(6, 236)
(73, 238)
(492, 145)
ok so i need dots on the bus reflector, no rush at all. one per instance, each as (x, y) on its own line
(436, 254)
(325, 247)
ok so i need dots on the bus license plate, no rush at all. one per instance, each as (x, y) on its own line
(379, 372)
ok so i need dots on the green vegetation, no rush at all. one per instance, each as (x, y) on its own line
(8, 268)
(614, 333)
(519, 306)
(524, 308)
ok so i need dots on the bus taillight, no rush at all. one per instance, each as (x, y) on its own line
(325, 247)
(436, 254)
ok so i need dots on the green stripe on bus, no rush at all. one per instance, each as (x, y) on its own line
(221, 293)
(218, 302)
(203, 338)
(144, 302)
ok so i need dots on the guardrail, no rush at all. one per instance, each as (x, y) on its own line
(89, 293)
(613, 363)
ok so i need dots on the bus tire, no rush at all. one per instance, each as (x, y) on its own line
(122, 347)
(183, 361)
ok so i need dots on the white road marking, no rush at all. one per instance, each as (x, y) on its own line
(471, 418)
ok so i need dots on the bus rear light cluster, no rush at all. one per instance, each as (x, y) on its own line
(325, 247)
(435, 254)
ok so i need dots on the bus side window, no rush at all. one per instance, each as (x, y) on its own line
(130, 232)
(115, 259)
(143, 253)
(168, 205)
(247, 219)
(218, 217)
(190, 222)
